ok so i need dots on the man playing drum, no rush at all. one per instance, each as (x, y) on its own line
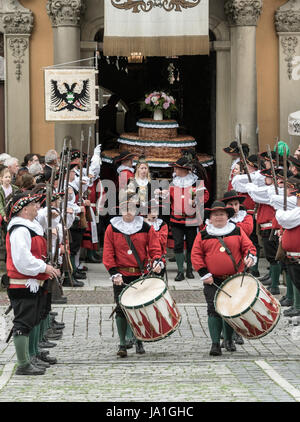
(219, 251)
(120, 261)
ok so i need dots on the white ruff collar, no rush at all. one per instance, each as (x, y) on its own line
(215, 231)
(32, 225)
(155, 224)
(186, 181)
(239, 217)
(127, 228)
(122, 167)
(142, 182)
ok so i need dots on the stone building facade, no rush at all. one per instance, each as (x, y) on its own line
(256, 43)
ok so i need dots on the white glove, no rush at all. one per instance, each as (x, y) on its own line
(160, 263)
(33, 285)
(97, 150)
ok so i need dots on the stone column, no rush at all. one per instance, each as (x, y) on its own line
(17, 24)
(65, 18)
(242, 18)
(287, 23)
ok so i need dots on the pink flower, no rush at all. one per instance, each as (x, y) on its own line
(148, 100)
(166, 106)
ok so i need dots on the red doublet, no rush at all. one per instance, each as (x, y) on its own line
(162, 234)
(248, 203)
(290, 240)
(124, 176)
(181, 211)
(246, 224)
(265, 214)
(207, 257)
(115, 250)
(38, 250)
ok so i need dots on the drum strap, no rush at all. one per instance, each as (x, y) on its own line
(134, 251)
(228, 251)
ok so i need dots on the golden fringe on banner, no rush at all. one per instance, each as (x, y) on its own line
(157, 46)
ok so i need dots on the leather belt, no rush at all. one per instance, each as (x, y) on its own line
(266, 225)
(129, 269)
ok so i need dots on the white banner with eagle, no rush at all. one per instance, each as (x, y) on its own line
(70, 95)
(156, 27)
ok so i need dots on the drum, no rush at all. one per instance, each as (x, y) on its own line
(150, 309)
(251, 310)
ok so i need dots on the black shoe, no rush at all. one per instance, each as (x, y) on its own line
(293, 312)
(179, 277)
(53, 334)
(46, 344)
(122, 352)
(237, 338)
(45, 358)
(267, 282)
(57, 325)
(52, 313)
(79, 276)
(215, 350)
(173, 259)
(189, 274)
(286, 302)
(76, 283)
(29, 369)
(35, 361)
(59, 301)
(139, 348)
(274, 290)
(264, 277)
(229, 345)
(129, 344)
(288, 311)
(255, 273)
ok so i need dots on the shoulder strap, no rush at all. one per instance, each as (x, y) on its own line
(32, 233)
(134, 251)
(228, 251)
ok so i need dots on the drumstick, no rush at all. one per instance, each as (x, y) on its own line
(221, 289)
(245, 270)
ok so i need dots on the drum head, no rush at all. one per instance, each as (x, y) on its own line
(241, 297)
(143, 292)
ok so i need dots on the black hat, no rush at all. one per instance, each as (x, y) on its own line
(124, 155)
(218, 206)
(264, 155)
(183, 163)
(234, 149)
(294, 161)
(293, 182)
(280, 175)
(267, 172)
(232, 195)
(18, 202)
(252, 161)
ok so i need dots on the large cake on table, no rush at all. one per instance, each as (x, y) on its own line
(158, 141)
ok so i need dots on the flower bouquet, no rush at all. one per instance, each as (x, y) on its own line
(161, 101)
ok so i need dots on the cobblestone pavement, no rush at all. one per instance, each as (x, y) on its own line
(176, 369)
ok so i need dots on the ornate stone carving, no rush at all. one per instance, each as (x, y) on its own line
(18, 46)
(138, 6)
(65, 12)
(289, 44)
(18, 22)
(287, 17)
(243, 12)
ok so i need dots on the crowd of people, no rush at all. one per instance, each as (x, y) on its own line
(134, 235)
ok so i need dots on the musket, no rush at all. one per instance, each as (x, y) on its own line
(272, 169)
(61, 168)
(83, 222)
(277, 153)
(85, 195)
(285, 180)
(242, 155)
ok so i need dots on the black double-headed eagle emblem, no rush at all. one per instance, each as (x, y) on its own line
(69, 98)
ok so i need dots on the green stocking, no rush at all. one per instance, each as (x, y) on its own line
(180, 261)
(32, 336)
(289, 287)
(22, 349)
(189, 266)
(275, 270)
(296, 298)
(37, 339)
(215, 328)
(121, 327)
(227, 331)
(72, 259)
(129, 333)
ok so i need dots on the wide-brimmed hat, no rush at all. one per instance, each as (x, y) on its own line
(234, 149)
(252, 161)
(218, 206)
(18, 202)
(124, 155)
(280, 173)
(293, 182)
(265, 156)
(232, 195)
(182, 163)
